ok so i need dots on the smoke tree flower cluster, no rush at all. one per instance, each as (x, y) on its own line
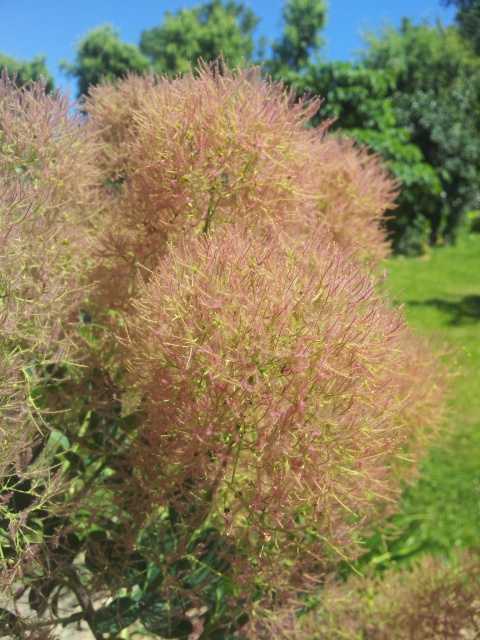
(436, 599)
(206, 398)
(270, 373)
(201, 152)
(41, 144)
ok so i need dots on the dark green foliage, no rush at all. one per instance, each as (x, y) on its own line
(468, 20)
(207, 31)
(157, 617)
(201, 574)
(436, 95)
(469, 24)
(415, 101)
(120, 613)
(26, 70)
(101, 54)
(357, 96)
(360, 99)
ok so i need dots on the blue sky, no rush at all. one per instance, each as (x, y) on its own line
(53, 27)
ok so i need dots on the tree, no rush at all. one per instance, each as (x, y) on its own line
(207, 31)
(102, 55)
(26, 70)
(304, 20)
(360, 100)
(436, 96)
(415, 100)
(468, 20)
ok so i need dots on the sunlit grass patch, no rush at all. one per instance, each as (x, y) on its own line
(441, 294)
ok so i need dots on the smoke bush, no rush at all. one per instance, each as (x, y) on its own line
(112, 109)
(221, 148)
(220, 444)
(435, 599)
(276, 386)
(46, 172)
(43, 194)
(271, 374)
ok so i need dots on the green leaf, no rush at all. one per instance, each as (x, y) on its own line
(155, 614)
(120, 613)
(57, 440)
(136, 569)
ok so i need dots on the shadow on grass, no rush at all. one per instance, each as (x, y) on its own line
(465, 311)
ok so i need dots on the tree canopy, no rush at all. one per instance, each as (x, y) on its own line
(301, 42)
(207, 31)
(413, 97)
(436, 96)
(468, 20)
(360, 99)
(101, 54)
(26, 70)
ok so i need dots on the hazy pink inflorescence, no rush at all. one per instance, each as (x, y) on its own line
(271, 378)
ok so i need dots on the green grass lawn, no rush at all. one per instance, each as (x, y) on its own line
(441, 294)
